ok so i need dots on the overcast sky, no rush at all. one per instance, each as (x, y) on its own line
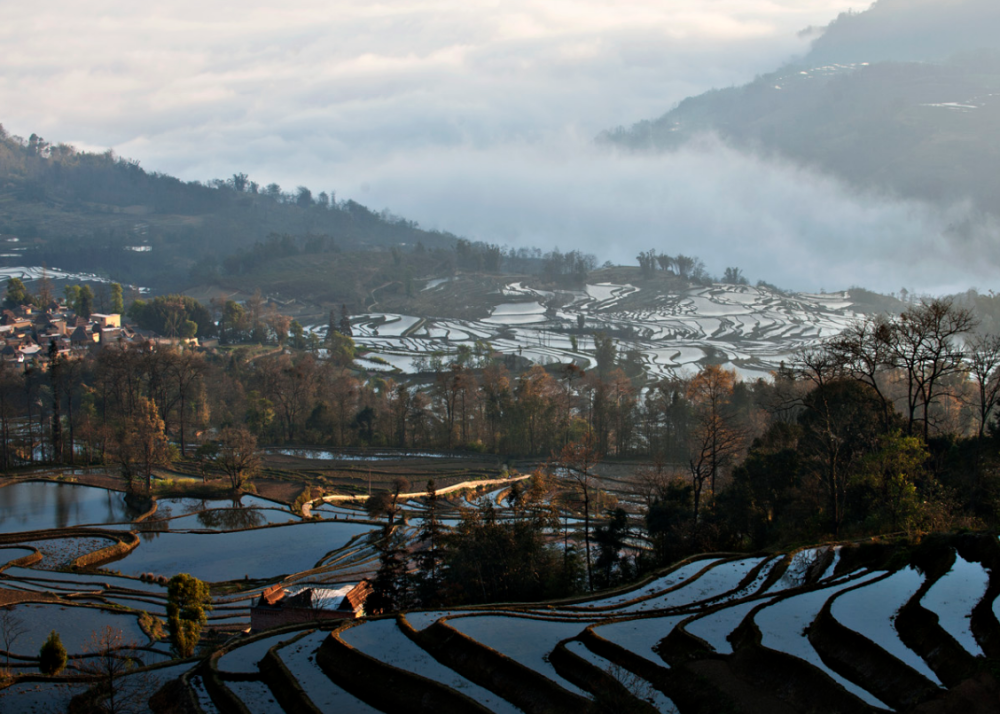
(473, 117)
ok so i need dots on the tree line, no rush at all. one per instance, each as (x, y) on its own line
(919, 388)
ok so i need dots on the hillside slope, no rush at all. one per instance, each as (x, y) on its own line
(872, 104)
(101, 213)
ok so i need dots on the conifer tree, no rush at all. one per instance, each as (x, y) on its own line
(431, 557)
(52, 657)
(187, 600)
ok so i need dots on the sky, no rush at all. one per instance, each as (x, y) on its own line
(474, 117)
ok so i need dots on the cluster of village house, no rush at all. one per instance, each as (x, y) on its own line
(277, 606)
(28, 333)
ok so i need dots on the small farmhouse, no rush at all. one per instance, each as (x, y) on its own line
(276, 606)
(107, 320)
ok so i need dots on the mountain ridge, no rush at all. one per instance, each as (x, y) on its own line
(913, 126)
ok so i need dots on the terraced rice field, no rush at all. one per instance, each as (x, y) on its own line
(820, 629)
(717, 634)
(753, 327)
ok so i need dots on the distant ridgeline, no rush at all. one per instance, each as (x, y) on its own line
(103, 213)
(904, 97)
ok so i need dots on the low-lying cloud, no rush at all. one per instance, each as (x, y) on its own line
(477, 118)
(778, 222)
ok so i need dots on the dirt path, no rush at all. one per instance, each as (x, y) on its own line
(307, 507)
(12, 597)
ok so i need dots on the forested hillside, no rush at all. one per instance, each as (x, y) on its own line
(106, 214)
(872, 104)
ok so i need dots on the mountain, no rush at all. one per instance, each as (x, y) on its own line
(907, 31)
(96, 212)
(923, 129)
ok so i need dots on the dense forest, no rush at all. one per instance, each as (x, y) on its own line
(102, 213)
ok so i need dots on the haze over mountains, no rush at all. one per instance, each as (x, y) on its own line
(869, 162)
(907, 115)
(814, 185)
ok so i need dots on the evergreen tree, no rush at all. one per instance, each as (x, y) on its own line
(52, 657)
(345, 322)
(17, 294)
(495, 559)
(187, 600)
(117, 299)
(610, 538)
(390, 588)
(85, 302)
(430, 559)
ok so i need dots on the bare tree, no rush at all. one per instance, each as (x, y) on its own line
(143, 446)
(11, 628)
(865, 351)
(578, 459)
(984, 368)
(925, 346)
(715, 436)
(650, 482)
(386, 503)
(187, 370)
(237, 455)
(112, 661)
(984, 359)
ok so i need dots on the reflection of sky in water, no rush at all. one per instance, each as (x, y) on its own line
(38, 505)
(97, 580)
(74, 625)
(338, 456)
(219, 514)
(260, 553)
(224, 519)
(182, 506)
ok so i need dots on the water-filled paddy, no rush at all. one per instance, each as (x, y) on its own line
(178, 506)
(257, 696)
(670, 580)
(640, 636)
(526, 641)
(300, 657)
(420, 620)
(87, 581)
(374, 456)
(716, 627)
(75, 626)
(719, 580)
(222, 519)
(953, 597)
(783, 627)
(39, 505)
(38, 697)
(260, 553)
(60, 552)
(383, 640)
(640, 687)
(13, 553)
(871, 610)
(245, 659)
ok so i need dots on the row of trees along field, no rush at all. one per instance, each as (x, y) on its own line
(886, 426)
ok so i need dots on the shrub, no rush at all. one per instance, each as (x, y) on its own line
(187, 600)
(52, 656)
(151, 625)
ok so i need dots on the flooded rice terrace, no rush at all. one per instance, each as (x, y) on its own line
(42, 505)
(684, 637)
(753, 329)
